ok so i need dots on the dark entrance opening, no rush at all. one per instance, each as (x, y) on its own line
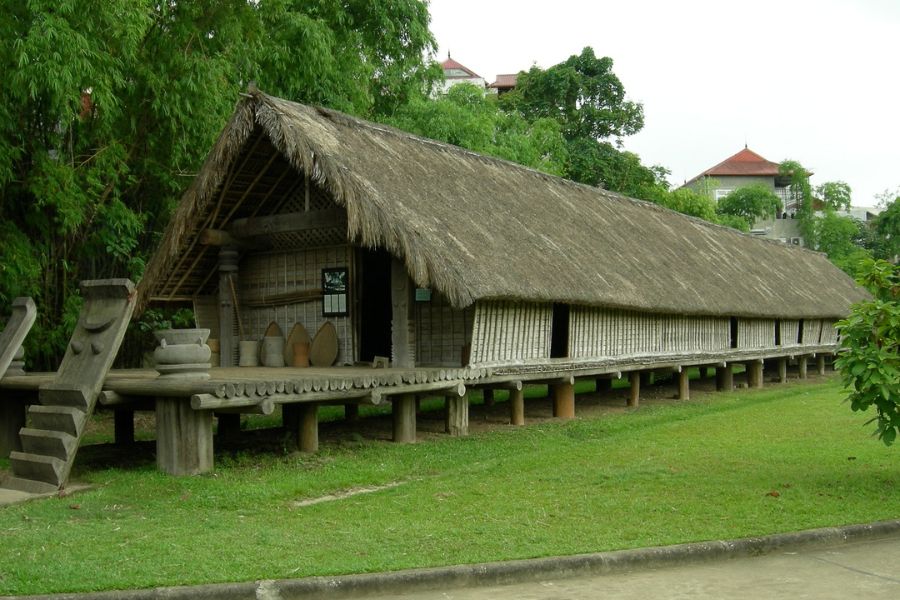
(559, 332)
(777, 332)
(734, 332)
(374, 304)
(800, 332)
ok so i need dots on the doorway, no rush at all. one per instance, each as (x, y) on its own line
(374, 304)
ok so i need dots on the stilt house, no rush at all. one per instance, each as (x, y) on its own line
(448, 258)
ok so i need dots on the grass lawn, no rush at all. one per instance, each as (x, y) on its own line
(755, 462)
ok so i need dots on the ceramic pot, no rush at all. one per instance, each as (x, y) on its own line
(182, 353)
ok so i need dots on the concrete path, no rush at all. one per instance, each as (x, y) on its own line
(869, 570)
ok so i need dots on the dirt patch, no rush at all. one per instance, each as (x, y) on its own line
(346, 494)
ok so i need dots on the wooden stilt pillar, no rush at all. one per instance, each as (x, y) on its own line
(724, 379)
(564, 400)
(229, 425)
(517, 407)
(755, 374)
(457, 415)
(488, 395)
(184, 440)
(820, 364)
(13, 408)
(309, 427)
(634, 397)
(801, 366)
(351, 413)
(684, 385)
(228, 271)
(604, 385)
(403, 410)
(123, 422)
(782, 370)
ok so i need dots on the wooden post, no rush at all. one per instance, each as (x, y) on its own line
(801, 365)
(604, 384)
(517, 407)
(820, 364)
(309, 427)
(782, 370)
(403, 410)
(634, 397)
(403, 334)
(724, 379)
(488, 395)
(123, 421)
(457, 415)
(184, 440)
(563, 400)
(684, 385)
(228, 270)
(229, 425)
(351, 413)
(13, 408)
(755, 374)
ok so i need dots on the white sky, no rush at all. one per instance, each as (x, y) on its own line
(813, 81)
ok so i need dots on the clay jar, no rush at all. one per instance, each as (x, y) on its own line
(182, 353)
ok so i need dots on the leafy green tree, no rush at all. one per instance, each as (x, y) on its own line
(887, 232)
(585, 97)
(869, 358)
(835, 195)
(465, 117)
(801, 191)
(750, 203)
(582, 94)
(107, 110)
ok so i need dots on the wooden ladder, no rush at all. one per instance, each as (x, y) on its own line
(55, 426)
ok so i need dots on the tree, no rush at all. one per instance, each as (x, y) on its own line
(105, 114)
(887, 231)
(840, 238)
(835, 195)
(582, 94)
(750, 203)
(869, 358)
(465, 117)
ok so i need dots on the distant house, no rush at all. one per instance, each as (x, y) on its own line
(504, 83)
(749, 168)
(456, 73)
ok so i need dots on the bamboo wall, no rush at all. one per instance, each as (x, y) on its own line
(515, 333)
(264, 276)
(442, 332)
(756, 334)
(511, 332)
(597, 332)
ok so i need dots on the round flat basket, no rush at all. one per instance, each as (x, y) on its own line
(324, 348)
(298, 335)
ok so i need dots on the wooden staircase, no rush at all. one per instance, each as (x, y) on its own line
(55, 426)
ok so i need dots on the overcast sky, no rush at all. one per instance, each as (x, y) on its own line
(813, 81)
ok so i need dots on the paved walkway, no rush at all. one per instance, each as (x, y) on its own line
(869, 570)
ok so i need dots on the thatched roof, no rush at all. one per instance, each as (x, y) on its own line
(477, 228)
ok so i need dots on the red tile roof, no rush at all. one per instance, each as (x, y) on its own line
(452, 64)
(745, 162)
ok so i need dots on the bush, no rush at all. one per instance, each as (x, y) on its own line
(870, 348)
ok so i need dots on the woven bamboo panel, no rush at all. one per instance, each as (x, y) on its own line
(756, 333)
(441, 332)
(829, 335)
(206, 314)
(604, 333)
(272, 274)
(511, 332)
(812, 332)
(790, 331)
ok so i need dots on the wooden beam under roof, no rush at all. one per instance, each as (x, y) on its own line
(287, 223)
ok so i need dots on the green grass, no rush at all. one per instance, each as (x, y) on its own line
(727, 465)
